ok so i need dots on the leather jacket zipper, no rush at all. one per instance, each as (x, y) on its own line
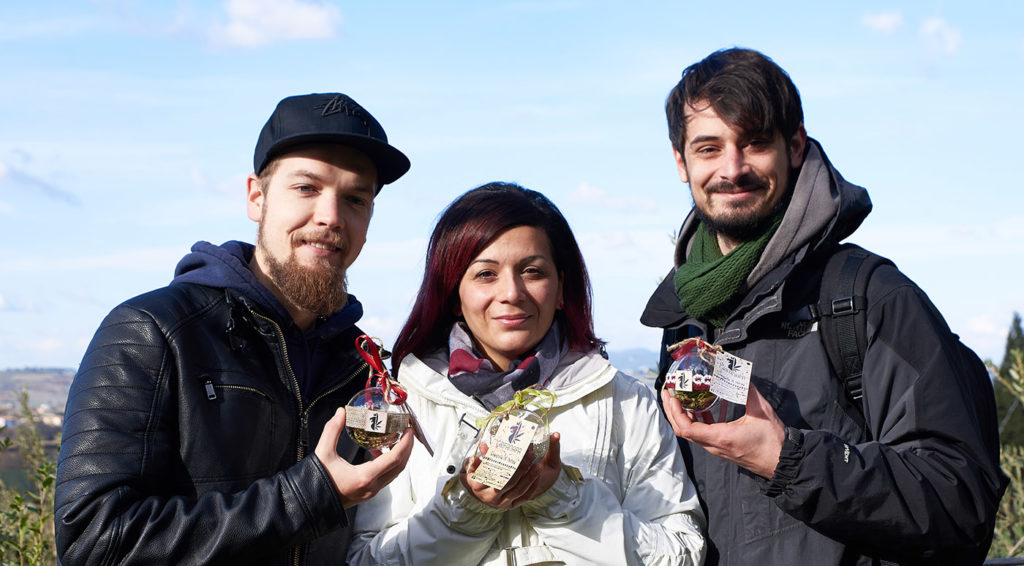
(299, 450)
(363, 367)
(305, 413)
(211, 389)
(304, 410)
(291, 372)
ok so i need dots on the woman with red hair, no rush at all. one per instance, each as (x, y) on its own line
(505, 307)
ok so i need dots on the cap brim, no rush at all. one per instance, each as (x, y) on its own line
(390, 162)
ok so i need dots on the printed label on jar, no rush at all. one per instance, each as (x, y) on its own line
(731, 380)
(375, 421)
(505, 452)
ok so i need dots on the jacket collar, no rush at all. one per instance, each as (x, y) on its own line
(576, 376)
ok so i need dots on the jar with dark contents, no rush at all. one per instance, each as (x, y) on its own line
(689, 376)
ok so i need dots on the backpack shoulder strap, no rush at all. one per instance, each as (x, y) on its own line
(842, 304)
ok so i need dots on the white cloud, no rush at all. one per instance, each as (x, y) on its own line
(392, 255)
(941, 36)
(17, 304)
(587, 193)
(883, 22)
(986, 336)
(3, 170)
(141, 260)
(547, 6)
(252, 23)
(48, 27)
(995, 239)
(198, 178)
(591, 195)
(987, 326)
(233, 185)
(611, 242)
(44, 346)
(385, 328)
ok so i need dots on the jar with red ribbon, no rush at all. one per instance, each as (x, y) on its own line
(376, 416)
(689, 376)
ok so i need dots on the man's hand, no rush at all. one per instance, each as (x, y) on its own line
(530, 479)
(754, 441)
(357, 483)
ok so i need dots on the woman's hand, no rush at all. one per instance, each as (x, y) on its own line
(529, 480)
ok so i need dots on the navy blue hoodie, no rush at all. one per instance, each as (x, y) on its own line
(227, 267)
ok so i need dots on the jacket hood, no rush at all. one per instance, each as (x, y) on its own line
(823, 210)
(577, 375)
(227, 267)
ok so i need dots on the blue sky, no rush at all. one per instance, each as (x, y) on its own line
(127, 129)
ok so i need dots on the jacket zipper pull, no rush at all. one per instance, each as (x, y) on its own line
(304, 433)
(211, 394)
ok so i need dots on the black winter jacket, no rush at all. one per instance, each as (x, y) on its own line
(186, 439)
(921, 490)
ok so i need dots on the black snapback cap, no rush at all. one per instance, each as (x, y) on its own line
(331, 118)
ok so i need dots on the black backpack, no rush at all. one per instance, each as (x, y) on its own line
(842, 321)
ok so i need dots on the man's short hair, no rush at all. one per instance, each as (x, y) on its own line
(270, 169)
(268, 172)
(744, 87)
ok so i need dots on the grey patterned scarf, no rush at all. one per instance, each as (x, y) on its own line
(475, 375)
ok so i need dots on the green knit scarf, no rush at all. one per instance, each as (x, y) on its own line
(709, 284)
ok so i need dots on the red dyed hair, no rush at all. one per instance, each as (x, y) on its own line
(466, 227)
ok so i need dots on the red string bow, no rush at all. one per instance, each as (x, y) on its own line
(370, 351)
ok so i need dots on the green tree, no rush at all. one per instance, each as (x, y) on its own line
(26, 517)
(1009, 534)
(1009, 407)
(1014, 341)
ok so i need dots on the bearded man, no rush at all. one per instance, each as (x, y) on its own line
(896, 465)
(190, 429)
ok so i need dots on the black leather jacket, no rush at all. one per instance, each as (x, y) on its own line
(186, 440)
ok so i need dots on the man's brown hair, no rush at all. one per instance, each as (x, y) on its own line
(744, 87)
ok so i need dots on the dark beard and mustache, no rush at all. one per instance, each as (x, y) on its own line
(741, 226)
(320, 289)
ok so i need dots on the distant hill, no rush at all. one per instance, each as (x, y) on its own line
(45, 386)
(637, 362)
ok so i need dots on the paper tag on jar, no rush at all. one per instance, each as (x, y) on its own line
(731, 379)
(419, 431)
(505, 452)
(370, 420)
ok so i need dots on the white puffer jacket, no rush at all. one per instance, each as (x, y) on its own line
(635, 504)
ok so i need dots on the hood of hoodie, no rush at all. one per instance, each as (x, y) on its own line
(824, 209)
(227, 267)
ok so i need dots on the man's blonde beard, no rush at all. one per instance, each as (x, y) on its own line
(321, 290)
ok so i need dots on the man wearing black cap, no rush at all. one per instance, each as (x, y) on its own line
(191, 428)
